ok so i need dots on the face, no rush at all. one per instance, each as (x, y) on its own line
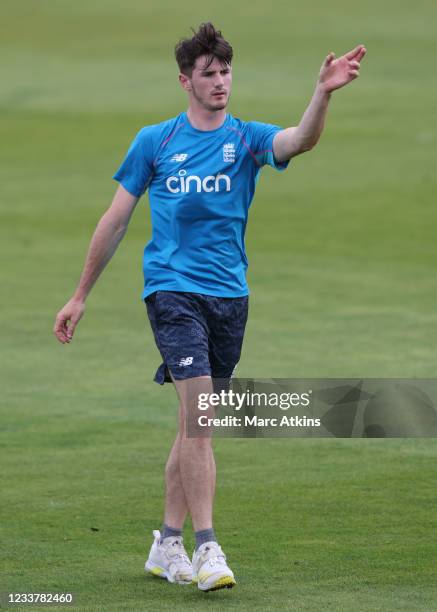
(211, 86)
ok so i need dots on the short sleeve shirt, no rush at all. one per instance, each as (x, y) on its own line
(201, 185)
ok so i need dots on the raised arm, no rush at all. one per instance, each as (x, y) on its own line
(334, 73)
(107, 236)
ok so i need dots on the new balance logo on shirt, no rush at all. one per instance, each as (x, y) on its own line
(184, 184)
(179, 157)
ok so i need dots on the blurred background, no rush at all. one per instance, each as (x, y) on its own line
(342, 263)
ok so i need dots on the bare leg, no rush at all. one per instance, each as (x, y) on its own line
(196, 458)
(176, 507)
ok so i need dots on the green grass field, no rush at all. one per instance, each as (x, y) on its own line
(342, 273)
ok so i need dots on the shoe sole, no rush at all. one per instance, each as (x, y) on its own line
(226, 582)
(160, 572)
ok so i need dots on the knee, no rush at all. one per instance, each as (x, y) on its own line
(198, 445)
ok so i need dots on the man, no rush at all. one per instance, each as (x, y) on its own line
(201, 168)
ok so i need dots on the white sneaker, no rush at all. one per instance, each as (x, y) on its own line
(210, 570)
(169, 560)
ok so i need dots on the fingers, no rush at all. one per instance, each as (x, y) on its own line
(65, 325)
(74, 321)
(60, 329)
(67, 319)
(329, 59)
(354, 67)
(361, 54)
(358, 53)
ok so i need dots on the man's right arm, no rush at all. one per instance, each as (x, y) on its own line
(107, 236)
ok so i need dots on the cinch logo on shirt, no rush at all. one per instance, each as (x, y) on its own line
(185, 184)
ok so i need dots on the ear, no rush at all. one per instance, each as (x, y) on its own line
(185, 81)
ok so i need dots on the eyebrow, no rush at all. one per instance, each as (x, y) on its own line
(208, 72)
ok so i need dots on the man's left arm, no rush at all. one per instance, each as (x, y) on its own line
(334, 73)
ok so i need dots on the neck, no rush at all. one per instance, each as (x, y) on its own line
(203, 119)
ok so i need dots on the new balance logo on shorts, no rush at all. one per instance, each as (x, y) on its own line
(186, 361)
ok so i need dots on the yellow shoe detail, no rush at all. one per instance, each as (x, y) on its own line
(227, 582)
(156, 571)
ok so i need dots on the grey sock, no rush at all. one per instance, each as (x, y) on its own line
(206, 535)
(167, 532)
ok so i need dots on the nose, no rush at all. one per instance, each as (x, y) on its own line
(219, 81)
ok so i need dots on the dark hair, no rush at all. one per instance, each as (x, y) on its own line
(206, 41)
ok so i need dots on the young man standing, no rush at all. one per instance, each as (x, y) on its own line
(201, 169)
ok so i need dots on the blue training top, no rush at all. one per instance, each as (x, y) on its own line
(201, 184)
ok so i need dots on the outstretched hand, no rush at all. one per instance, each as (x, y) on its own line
(336, 73)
